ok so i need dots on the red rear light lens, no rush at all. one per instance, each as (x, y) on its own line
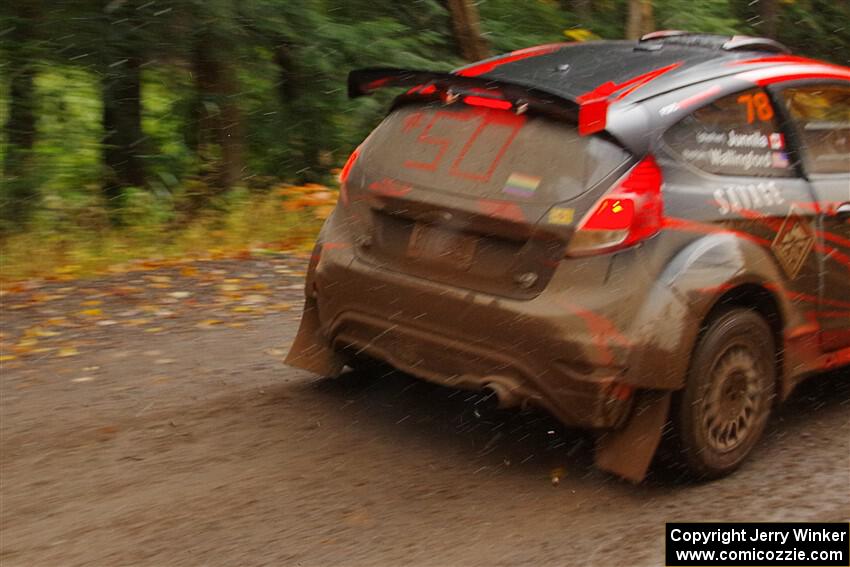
(611, 214)
(486, 102)
(632, 212)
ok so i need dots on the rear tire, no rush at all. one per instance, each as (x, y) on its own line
(726, 403)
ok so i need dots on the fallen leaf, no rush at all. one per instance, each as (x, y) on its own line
(82, 379)
(25, 345)
(91, 312)
(69, 269)
(207, 323)
(67, 351)
(7, 357)
(180, 294)
(125, 290)
(91, 302)
(39, 332)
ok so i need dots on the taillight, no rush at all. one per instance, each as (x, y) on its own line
(628, 214)
(486, 102)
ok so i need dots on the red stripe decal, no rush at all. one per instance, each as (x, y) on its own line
(487, 66)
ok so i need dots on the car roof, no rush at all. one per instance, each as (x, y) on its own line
(665, 71)
(634, 70)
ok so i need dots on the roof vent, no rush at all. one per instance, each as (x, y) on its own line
(710, 41)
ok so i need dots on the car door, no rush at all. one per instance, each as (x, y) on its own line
(731, 168)
(819, 113)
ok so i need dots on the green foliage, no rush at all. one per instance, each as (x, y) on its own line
(67, 149)
(712, 16)
(817, 28)
(509, 25)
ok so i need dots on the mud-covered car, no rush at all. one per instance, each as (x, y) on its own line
(627, 234)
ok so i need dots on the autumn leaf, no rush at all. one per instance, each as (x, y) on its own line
(91, 312)
(67, 351)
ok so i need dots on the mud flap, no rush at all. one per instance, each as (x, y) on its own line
(310, 349)
(628, 452)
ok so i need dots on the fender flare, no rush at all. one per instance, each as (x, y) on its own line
(671, 318)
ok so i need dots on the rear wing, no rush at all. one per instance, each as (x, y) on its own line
(450, 86)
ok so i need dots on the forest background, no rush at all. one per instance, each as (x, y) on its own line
(167, 129)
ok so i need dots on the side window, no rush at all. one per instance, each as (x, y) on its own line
(821, 116)
(734, 135)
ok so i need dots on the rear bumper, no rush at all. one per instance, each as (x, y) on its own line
(549, 352)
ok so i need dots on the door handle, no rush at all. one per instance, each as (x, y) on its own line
(843, 211)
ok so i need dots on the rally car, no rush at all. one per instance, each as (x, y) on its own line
(626, 234)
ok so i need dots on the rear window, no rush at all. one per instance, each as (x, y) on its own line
(821, 114)
(734, 135)
(482, 152)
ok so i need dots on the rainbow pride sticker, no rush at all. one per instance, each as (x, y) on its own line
(521, 185)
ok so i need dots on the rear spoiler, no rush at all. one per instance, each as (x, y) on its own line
(364, 82)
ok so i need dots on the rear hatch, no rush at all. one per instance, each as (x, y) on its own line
(473, 196)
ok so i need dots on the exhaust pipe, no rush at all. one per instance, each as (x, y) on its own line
(504, 396)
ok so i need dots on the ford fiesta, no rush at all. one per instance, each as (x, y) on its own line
(627, 234)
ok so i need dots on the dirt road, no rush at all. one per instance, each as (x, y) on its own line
(148, 419)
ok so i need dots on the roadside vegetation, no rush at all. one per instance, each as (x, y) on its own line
(138, 129)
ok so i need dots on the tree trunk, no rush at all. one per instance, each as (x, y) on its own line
(640, 19)
(769, 12)
(284, 58)
(19, 192)
(122, 126)
(121, 95)
(218, 120)
(583, 9)
(467, 30)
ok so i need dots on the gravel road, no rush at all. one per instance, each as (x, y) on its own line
(147, 418)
